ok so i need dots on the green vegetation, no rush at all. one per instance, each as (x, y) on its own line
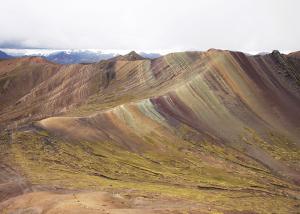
(277, 145)
(4, 137)
(201, 171)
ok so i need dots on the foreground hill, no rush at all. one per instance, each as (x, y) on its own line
(200, 130)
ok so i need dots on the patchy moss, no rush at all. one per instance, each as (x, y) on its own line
(205, 172)
(4, 137)
(277, 145)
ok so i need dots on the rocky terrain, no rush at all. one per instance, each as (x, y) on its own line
(189, 132)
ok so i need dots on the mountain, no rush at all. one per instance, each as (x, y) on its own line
(72, 57)
(188, 132)
(131, 56)
(150, 55)
(3, 55)
(75, 57)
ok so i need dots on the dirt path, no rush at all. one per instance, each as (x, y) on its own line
(95, 202)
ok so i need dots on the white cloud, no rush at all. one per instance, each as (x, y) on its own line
(143, 25)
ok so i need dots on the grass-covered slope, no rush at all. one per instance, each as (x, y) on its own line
(202, 171)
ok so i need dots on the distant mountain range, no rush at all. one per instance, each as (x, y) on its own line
(3, 55)
(73, 56)
(70, 57)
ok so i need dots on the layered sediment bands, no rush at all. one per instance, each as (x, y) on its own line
(207, 126)
(221, 93)
(44, 89)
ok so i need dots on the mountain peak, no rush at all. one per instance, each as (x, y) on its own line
(133, 56)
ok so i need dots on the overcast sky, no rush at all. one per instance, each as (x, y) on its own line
(146, 25)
